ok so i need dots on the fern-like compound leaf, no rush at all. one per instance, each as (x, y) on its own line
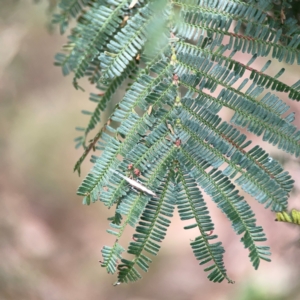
(208, 130)
(195, 208)
(232, 205)
(70, 9)
(150, 231)
(169, 68)
(111, 257)
(105, 95)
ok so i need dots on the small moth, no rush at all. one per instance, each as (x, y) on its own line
(132, 4)
(136, 184)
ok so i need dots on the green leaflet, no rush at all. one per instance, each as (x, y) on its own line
(170, 67)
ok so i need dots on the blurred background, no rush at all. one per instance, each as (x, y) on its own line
(50, 244)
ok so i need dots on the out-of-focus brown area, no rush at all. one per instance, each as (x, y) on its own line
(50, 244)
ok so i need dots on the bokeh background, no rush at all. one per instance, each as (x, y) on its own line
(50, 244)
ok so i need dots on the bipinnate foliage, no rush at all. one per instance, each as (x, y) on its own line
(175, 65)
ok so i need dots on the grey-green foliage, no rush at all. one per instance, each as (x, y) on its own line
(183, 62)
